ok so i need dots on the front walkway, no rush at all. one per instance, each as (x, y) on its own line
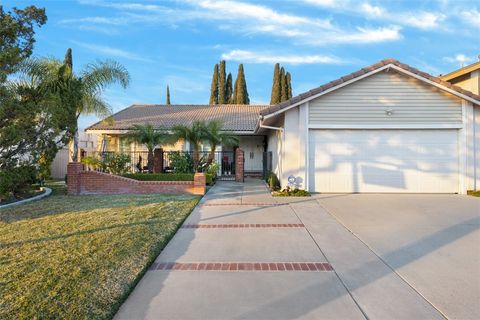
(242, 254)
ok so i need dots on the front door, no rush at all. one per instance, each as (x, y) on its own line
(253, 152)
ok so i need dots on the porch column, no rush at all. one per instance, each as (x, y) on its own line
(239, 165)
(73, 177)
(158, 160)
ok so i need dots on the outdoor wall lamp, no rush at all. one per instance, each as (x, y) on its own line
(389, 112)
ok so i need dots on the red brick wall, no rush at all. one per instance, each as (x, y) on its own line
(239, 165)
(93, 182)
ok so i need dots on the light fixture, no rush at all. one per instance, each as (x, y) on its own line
(389, 112)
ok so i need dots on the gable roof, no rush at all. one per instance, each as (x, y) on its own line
(365, 72)
(462, 71)
(238, 118)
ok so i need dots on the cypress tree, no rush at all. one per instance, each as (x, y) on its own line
(214, 86)
(289, 85)
(168, 95)
(68, 59)
(240, 94)
(229, 90)
(283, 86)
(275, 97)
(222, 84)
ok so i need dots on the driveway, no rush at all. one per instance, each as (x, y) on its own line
(242, 254)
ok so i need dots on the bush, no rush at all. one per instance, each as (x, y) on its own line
(91, 163)
(16, 181)
(181, 162)
(273, 182)
(288, 192)
(209, 179)
(117, 163)
(160, 176)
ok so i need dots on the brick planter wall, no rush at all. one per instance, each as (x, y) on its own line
(93, 182)
(239, 165)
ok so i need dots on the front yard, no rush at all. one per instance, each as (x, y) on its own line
(79, 257)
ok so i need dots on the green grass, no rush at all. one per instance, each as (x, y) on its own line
(474, 193)
(78, 257)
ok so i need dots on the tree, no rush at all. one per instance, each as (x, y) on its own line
(289, 85)
(229, 90)
(68, 61)
(168, 95)
(214, 86)
(17, 36)
(215, 137)
(150, 137)
(283, 85)
(222, 84)
(276, 91)
(240, 94)
(83, 92)
(194, 134)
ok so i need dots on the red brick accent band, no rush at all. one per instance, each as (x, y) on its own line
(243, 225)
(242, 266)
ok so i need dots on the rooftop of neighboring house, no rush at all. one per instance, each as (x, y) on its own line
(461, 72)
(236, 118)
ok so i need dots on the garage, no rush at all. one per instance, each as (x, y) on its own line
(400, 161)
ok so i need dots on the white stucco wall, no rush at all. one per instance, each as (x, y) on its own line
(477, 147)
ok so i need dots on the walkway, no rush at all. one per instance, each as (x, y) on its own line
(243, 254)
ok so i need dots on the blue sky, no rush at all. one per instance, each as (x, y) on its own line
(178, 42)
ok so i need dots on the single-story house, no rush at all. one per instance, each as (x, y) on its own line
(385, 128)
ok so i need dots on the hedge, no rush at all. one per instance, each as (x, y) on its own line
(166, 177)
(160, 176)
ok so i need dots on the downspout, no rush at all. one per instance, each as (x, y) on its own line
(282, 138)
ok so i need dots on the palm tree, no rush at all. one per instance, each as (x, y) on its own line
(215, 137)
(150, 137)
(83, 91)
(195, 135)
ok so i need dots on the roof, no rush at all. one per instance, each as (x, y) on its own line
(332, 85)
(460, 72)
(238, 118)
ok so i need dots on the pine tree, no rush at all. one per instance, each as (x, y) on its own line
(214, 86)
(240, 94)
(283, 85)
(275, 97)
(168, 95)
(222, 84)
(68, 59)
(289, 85)
(229, 90)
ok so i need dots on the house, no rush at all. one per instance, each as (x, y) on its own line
(385, 128)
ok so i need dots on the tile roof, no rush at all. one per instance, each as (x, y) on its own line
(233, 117)
(359, 73)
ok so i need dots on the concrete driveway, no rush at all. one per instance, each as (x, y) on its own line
(242, 254)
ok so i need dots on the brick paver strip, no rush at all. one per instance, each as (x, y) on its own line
(244, 266)
(243, 225)
(243, 204)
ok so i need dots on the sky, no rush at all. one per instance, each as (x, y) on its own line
(177, 43)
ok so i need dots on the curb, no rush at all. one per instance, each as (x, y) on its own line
(47, 192)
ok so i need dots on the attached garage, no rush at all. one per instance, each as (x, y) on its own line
(384, 161)
(387, 128)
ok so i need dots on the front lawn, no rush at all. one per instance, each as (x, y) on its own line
(79, 257)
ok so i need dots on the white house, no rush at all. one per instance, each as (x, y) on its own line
(385, 128)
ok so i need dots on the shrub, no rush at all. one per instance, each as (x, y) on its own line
(117, 163)
(16, 181)
(209, 179)
(289, 192)
(160, 176)
(181, 162)
(273, 182)
(213, 169)
(91, 163)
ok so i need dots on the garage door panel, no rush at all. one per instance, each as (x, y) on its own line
(383, 161)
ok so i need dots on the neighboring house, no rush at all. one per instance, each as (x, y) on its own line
(385, 128)
(467, 78)
(87, 143)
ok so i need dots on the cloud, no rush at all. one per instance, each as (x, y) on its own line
(472, 16)
(459, 58)
(239, 17)
(110, 51)
(372, 10)
(265, 57)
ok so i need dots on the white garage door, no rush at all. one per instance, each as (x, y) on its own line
(383, 161)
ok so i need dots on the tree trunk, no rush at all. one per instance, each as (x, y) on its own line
(196, 158)
(75, 146)
(211, 156)
(150, 161)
